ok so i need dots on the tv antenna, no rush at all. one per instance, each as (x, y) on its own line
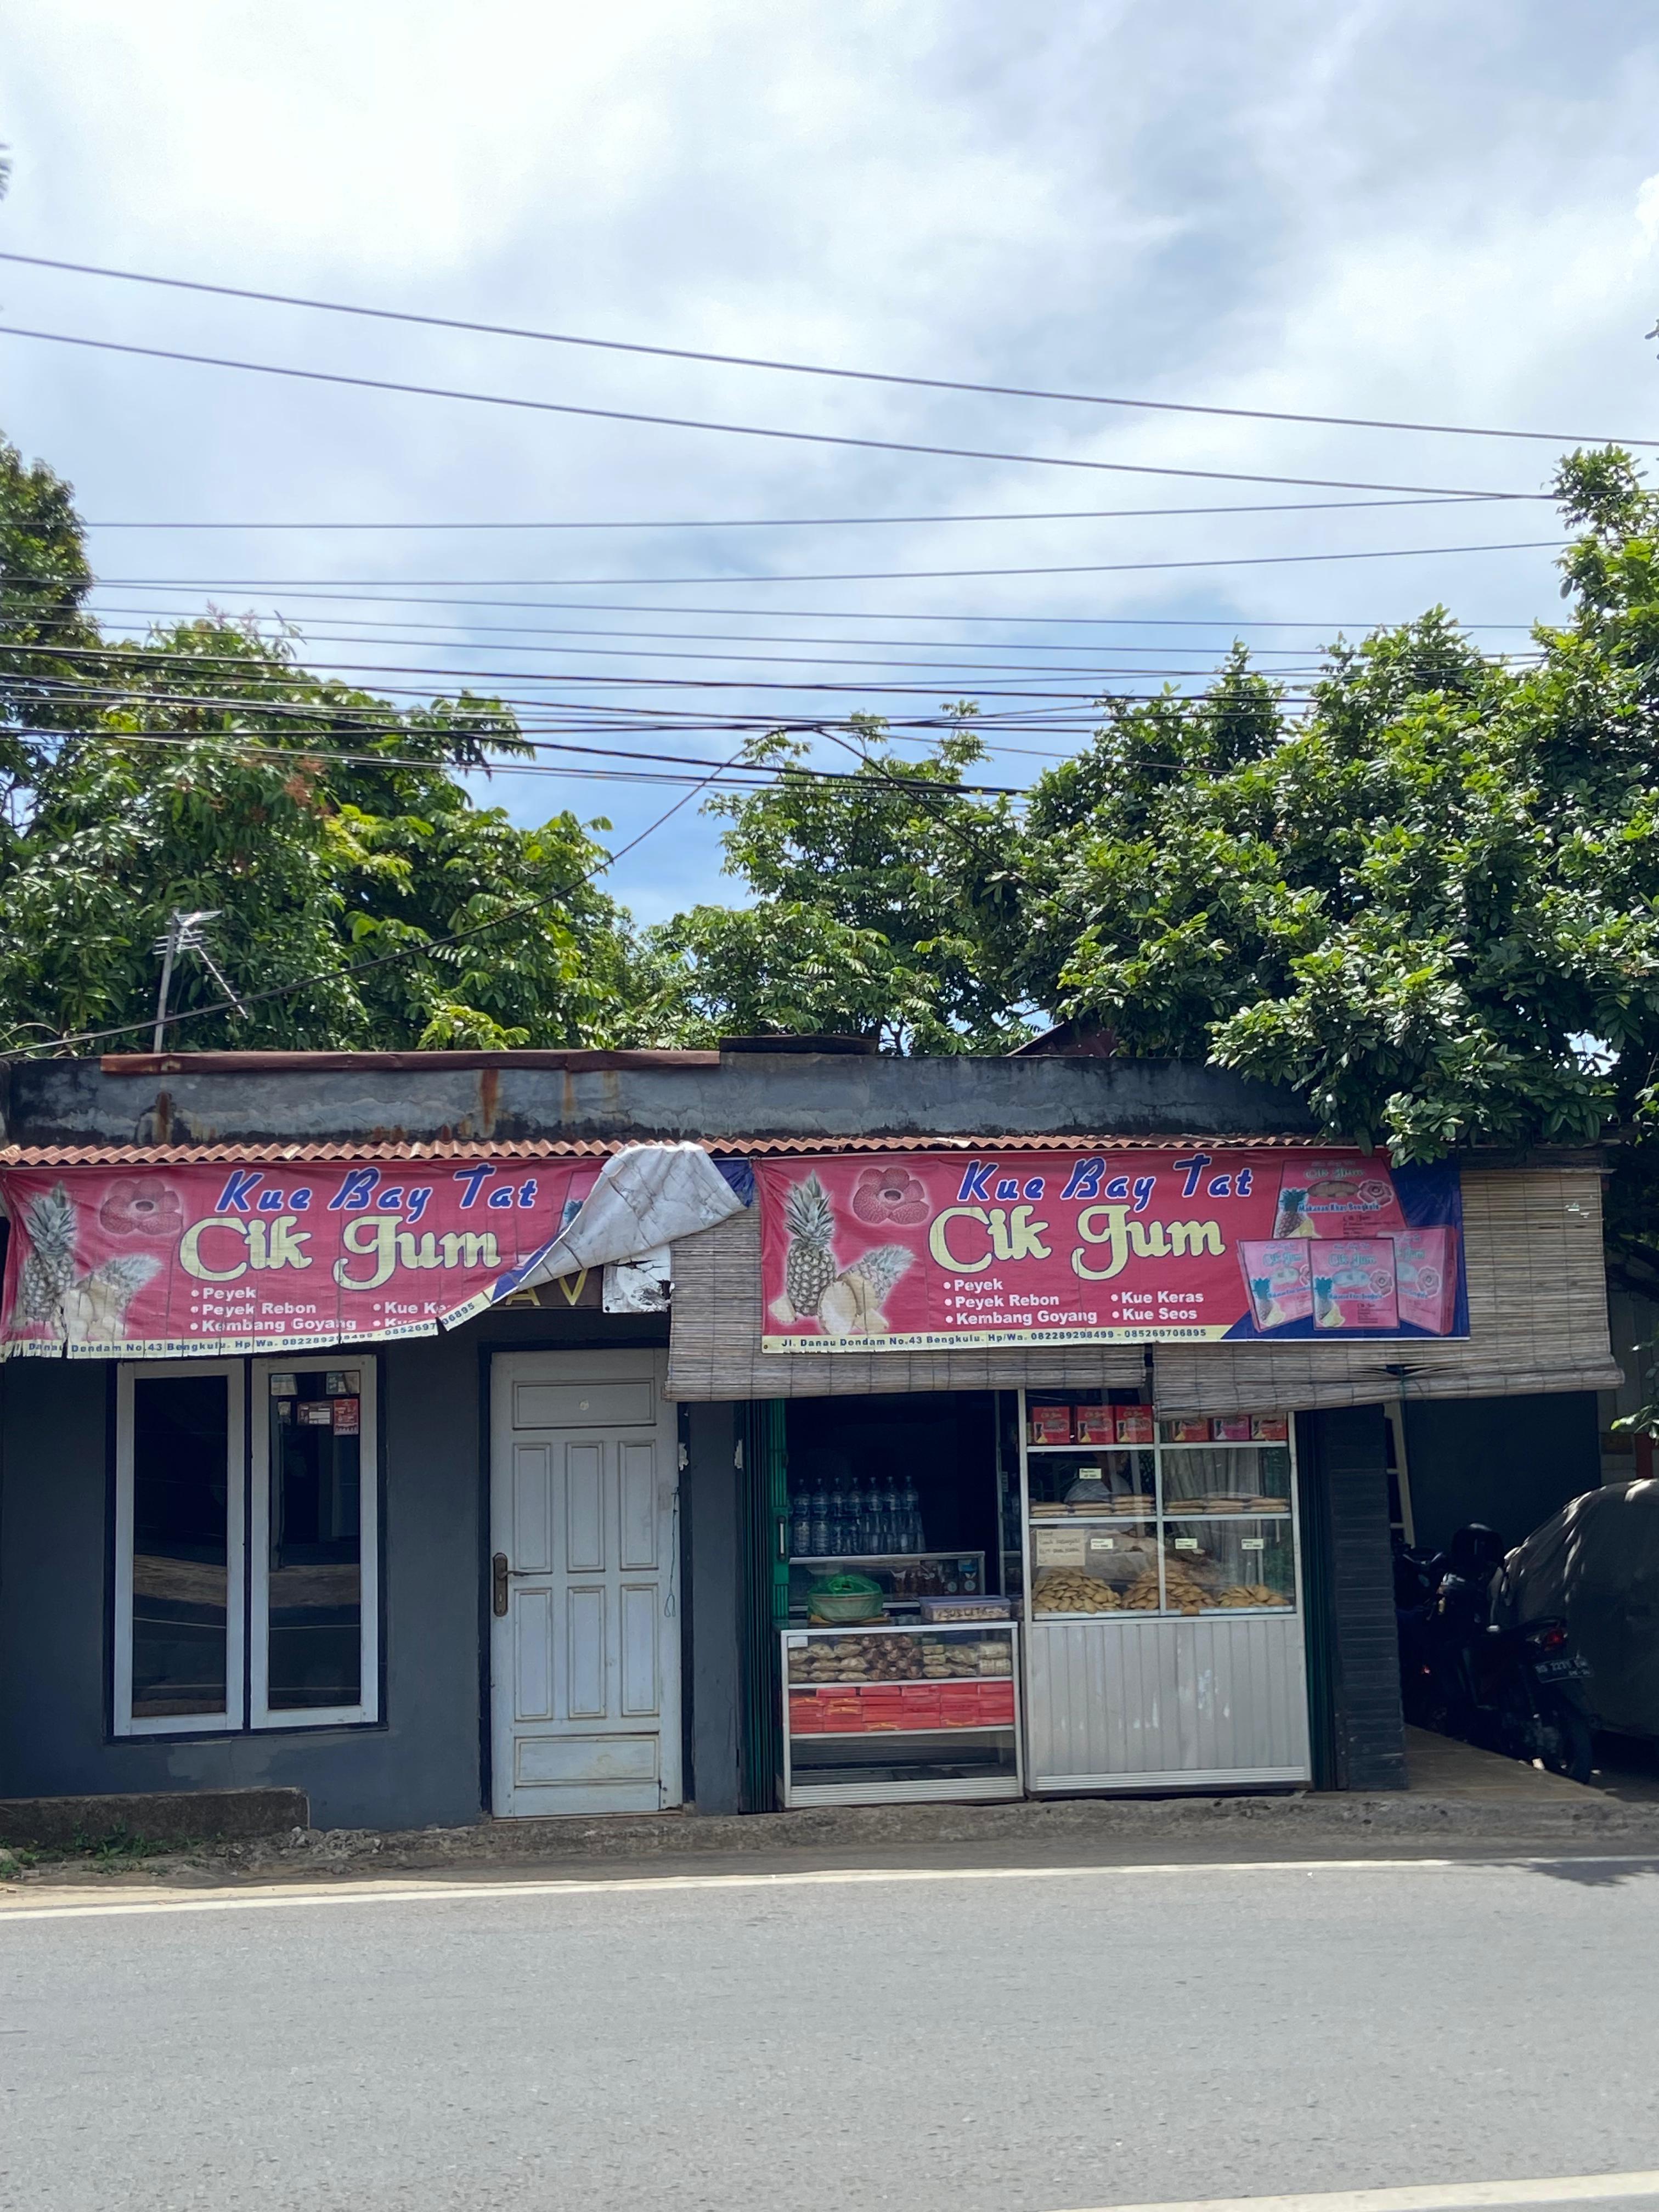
(184, 934)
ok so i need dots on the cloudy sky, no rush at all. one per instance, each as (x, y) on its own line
(1427, 212)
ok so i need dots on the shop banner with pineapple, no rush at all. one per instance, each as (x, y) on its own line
(161, 1261)
(927, 1251)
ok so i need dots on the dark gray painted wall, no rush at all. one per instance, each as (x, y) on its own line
(746, 1095)
(1347, 1560)
(714, 1580)
(425, 1764)
(1511, 1462)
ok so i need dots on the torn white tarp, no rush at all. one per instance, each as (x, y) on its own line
(646, 1197)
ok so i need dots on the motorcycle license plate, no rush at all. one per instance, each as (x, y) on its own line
(1570, 1669)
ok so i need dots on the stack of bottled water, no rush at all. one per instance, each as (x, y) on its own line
(855, 1522)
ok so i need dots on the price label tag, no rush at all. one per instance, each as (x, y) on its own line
(1252, 1543)
(1058, 1547)
(794, 1643)
(1102, 1544)
(1186, 1543)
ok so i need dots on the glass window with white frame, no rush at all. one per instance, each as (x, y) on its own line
(246, 1544)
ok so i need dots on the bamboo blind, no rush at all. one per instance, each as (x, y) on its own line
(1538, 1317)
(1538, 1322)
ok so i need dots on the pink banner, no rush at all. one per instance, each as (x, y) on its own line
(926, 1251)
(165, 1260)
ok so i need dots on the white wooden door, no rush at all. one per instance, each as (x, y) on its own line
(585, 1631)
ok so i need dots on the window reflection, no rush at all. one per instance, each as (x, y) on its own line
(180, 1545)
(315, 1585)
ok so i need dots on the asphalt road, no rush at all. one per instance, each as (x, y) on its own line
(1000, 2040)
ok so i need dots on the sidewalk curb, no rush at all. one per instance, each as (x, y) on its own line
(1291, 1821)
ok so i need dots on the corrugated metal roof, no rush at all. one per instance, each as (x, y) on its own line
(545, 1148)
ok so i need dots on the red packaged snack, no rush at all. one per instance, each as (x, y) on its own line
(1093, 1425)
(1048, 1424)
(1195, 1432)
(1278, 1276)
(1231, 1428)
(1322, 1196)
(1425, 1271)
(1135, 1424)
(1353, 1284)
(1270, 1428)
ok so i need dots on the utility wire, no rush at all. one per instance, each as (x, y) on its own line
(349, 632)
(413, 950)
(851, 521)
(356, 595)
(736, 429)
(810, 576)
(808, 368)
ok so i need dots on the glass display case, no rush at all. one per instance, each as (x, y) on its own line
(876, 1714)
(904, 1578)
(1131, 1515)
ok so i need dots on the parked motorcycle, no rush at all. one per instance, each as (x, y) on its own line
(1463, 1675)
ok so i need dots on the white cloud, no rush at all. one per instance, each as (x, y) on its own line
(1384, 208)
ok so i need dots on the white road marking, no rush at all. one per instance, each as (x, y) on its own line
(1452, 2197)
(21, 1906)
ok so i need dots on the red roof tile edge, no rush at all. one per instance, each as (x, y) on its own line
(543, 1148)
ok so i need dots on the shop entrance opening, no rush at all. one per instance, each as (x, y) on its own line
(584, 1644)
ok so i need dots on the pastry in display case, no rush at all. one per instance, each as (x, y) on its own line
(1195, 1515)
(901, 1713)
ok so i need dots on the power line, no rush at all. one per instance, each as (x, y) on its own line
(735, 430)
(827, 576)
(810, 368)
(347, 632)
(179, 664)
(850, 521)
(297, 752)
(382, 960)
(356, 595)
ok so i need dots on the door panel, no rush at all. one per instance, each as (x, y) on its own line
(532, 1537)
(640, 1692)
(639, 1506)
(584, 1664)
(584, 1509)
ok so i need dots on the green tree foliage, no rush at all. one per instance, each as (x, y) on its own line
(1427, 902)
(876, 908)
(204, 768)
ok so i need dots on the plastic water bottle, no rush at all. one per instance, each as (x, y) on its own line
(838, 1542)
(910, 1516)
(800, 1525)
(817, 1546)
(874, 1534)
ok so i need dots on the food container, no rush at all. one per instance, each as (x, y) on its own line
(1187, 1432)
(1354, 1285)
(964, 1608)
(1093, 1425)
(1135, 1424)
(1231, 1428)
(840, 1609)
(1279, 1278)
(1049, 1425)
(1321, 1196)
(1270, 1428)
(1425, 1272)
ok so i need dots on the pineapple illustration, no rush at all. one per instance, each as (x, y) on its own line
(845, 1300)
(810, 1268)
(56, 1300)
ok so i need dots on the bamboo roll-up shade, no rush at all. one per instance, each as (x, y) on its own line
(1538, 1317)
(714, 1342)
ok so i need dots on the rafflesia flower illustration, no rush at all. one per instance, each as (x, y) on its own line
(891, 1197)
(142, 1206)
